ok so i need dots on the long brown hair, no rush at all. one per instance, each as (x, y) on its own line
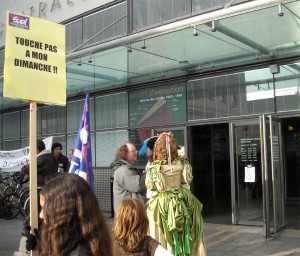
(131, 224)
(160, 150)
(71, 214)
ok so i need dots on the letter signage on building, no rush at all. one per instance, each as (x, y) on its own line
(159, 105)
(35, 62)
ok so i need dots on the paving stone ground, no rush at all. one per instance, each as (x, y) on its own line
(221, 240)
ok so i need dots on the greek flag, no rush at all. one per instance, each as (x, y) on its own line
(81, 163)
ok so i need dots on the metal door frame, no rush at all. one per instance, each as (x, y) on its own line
(268, 154)
(233, 166)
(268, 172)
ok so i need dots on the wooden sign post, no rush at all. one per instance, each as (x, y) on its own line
(35, 72)
(33, 173)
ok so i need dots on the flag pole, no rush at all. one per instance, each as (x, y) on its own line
(33, 173)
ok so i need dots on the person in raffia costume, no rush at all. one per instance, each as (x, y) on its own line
(174, 212)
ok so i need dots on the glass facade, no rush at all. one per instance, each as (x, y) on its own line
(249, 37)
(147, 13)
(251, 92)
(112, 111)
(25, 123)
(179, 53)
(104, 25)
(110, 141)
(245, 93)
(101, 22)
(74, 36)
(53, 120)
(74, 114)
(11, 125)
(287, 84)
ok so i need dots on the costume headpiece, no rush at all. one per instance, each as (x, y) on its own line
(148, 146)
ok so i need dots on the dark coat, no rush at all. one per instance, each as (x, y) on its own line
(146, 248)
(45, 167)
(61, 164)
(80, 250)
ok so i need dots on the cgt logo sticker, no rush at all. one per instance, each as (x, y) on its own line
(18, 21)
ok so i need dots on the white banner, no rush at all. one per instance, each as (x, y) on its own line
(13, 161)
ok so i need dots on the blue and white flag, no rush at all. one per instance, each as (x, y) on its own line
(81, 163)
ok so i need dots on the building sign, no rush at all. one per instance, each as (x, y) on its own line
(160, 105)
(249, 149)
(52, 10)
(35, 62)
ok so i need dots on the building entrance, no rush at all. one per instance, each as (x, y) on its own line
(211, 171)
(291, 149)
(246, 172)
(257, 173)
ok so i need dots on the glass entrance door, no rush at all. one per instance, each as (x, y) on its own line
(257, 174)
(246, 173)
(211, 171)
(270, 130)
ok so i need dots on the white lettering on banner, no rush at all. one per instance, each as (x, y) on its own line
(12, 161)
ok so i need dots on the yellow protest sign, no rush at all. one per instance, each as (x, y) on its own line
(35, 60)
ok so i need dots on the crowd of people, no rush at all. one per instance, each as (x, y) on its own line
(156, 213)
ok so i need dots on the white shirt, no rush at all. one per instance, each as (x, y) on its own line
(161, 251)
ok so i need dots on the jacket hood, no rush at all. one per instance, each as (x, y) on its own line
(43, 152)
(117, 163)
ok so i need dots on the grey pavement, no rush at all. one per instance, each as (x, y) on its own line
(220, 239)
(248, 240)
(10, 234)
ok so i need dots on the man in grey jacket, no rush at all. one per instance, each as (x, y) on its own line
(128, 181)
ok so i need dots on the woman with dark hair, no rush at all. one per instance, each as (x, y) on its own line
(72, 221)
(173, 211)
(130, 231)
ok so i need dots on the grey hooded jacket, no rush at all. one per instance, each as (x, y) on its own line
(128, 182)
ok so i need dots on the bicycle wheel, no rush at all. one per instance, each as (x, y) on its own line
(26, 207)
(23, 197)
(8, 190)
(10, 208)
